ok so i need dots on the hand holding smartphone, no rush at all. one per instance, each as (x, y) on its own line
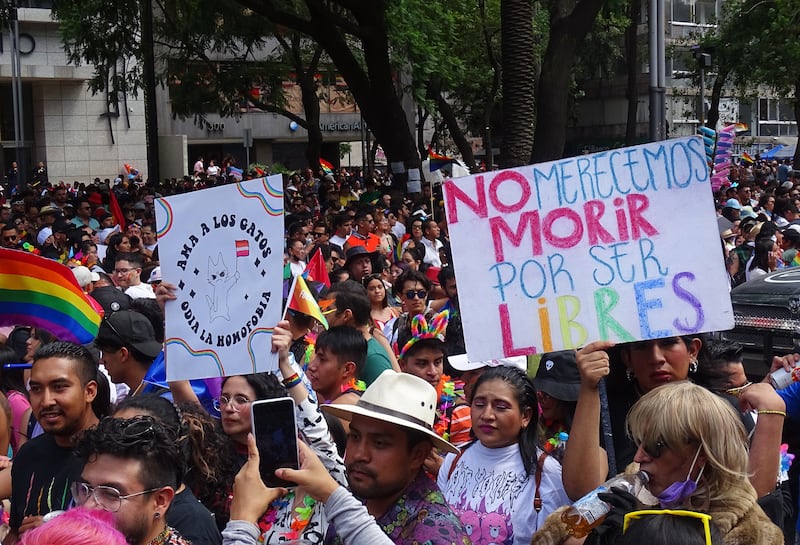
(275, 430)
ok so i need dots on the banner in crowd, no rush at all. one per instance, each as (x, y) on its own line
(620, 245)
(223, 249)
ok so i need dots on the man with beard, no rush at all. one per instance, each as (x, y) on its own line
(62, 387)
(391, 435)
(133, 467)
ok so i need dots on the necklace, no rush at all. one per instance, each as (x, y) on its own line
(136, 391)
(161, 538)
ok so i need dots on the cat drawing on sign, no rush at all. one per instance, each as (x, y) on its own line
(222, 281)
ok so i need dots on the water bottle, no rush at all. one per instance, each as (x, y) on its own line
(589, 511)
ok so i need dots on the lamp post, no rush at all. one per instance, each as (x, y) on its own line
(16, 97)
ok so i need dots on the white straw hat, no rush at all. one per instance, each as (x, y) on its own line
(398, 398)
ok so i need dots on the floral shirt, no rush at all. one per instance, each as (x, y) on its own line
(419, 517)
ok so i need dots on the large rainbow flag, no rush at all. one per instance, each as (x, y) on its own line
(40, 292)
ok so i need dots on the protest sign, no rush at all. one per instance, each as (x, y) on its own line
(223, 249)
(620, 245)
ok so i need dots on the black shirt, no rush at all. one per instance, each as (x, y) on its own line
(194, 522)
(41, 478)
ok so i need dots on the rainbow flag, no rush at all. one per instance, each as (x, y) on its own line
(326, 166)
(42, 293)
(302, 300)
(747, 159)
(437, 160)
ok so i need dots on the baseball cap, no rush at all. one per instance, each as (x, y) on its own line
(131, 329)
(84, 276)
(558, 375)
(461, 362)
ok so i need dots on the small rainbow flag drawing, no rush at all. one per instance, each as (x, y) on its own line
(40, 292)
(242, 248)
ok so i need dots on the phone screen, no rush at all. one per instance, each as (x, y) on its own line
(275, 430)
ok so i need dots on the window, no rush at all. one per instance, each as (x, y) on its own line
(682, 11)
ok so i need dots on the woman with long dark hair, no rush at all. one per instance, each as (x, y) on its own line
(506, 459)
(764, 260)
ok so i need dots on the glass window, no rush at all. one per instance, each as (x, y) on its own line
(786, 110)
(705, 12)
(681, 11)
(763, 110)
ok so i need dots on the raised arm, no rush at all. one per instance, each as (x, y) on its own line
(765, 445)
(585, 465)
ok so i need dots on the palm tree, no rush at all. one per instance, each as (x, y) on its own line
(516, 20)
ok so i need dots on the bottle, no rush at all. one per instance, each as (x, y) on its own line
(782, 378)
(589, 511)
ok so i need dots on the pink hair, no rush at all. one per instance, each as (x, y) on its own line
(78, 526)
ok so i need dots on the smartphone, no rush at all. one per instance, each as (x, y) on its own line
(275, 429)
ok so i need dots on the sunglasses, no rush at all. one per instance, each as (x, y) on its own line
(419, 294)
(636, 515)
(653, 450)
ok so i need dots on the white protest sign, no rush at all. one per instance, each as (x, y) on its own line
(621, 245)
(223, 249)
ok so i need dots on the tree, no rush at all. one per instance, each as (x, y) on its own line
(758, 43)
(518, 77)
(570, 22)
(354, 34)
(214, 55)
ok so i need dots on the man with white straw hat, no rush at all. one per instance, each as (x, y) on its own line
(391, 434)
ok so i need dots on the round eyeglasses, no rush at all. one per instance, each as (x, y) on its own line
(107, 498)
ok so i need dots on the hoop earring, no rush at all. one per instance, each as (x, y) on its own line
(693, 365)
(629, 375)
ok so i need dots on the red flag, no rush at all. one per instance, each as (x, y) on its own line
(116, 211)
(316, 269)
(242, 248)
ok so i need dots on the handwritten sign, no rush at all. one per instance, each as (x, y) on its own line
(223, 249)
(620, 245)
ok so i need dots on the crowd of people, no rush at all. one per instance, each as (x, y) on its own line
(402, 438)
(759, 220)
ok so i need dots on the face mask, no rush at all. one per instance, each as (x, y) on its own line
(676, 494)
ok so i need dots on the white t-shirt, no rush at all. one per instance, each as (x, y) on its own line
(492, 497)
(142, 290)
(432, 252)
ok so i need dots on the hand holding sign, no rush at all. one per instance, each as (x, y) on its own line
(619, 245)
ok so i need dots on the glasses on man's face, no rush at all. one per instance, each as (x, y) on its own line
(107, 498)
(238, 402)
(704, 518)
(123, 271)
(10, 239)
(419, 294)
(318, 234)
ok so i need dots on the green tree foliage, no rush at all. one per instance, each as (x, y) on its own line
(758, 44)
(215, 56)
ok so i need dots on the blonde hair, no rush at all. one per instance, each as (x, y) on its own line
(684, 416)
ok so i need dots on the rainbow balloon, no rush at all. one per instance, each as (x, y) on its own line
(40, 292)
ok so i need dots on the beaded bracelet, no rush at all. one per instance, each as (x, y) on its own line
(768, 411)
(292, 381)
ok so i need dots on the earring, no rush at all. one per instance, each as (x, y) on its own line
(693, 365)
(157, 515)
(629, 375)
